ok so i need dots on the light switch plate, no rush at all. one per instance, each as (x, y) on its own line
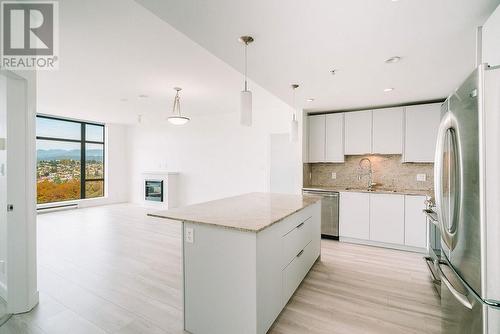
(421, 177)
(334, 175)
(189, 235)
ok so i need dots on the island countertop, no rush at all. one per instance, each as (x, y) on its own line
(251, 212)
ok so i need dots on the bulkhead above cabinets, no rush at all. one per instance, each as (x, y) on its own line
(410, 131)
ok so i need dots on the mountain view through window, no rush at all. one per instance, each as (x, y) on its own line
(70, 160)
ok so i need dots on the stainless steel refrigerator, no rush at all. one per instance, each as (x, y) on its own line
(467, 190)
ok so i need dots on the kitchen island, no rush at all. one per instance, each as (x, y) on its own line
(243, 258)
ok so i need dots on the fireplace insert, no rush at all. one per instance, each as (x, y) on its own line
(154, 190)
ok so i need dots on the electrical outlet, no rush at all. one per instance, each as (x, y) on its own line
(421, 177)
(189, 235)
(334, 176)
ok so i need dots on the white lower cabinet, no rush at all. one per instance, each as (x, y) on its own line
(296, 270)
(354, 215)
(415, 221)
(391, 220)
(387, 218)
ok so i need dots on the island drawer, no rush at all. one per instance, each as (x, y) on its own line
(295, 240)
(290, 222)
(296, 270)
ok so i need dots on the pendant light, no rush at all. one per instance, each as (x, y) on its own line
(294, 124)
(246, 95)
(177, 118)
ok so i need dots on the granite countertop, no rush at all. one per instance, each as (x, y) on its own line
(376, 190)
(249, 212)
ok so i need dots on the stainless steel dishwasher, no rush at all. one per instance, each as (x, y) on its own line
(329, 212)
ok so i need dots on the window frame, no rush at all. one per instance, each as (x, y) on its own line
(83, 159)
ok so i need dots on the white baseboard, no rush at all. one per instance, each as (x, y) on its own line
(383, 245)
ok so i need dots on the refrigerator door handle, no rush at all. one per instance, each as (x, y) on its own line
(448, 123)
(463, 299)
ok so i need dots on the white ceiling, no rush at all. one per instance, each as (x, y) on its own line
(115, 49)
(299, 41)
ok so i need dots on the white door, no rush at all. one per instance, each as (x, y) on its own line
(421, 127)
(387, 218)
(17, 191)
(358, 132)
(317, 138)
(388, 131)
(415, 221)
(3, 189)
(354, 215)
(334, 143)
(285, 172)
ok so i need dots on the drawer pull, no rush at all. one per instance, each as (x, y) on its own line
(300, 225)
(300, 253)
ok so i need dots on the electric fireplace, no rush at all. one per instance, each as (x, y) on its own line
(153, 190)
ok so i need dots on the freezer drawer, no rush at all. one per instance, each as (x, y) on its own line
(463, 312)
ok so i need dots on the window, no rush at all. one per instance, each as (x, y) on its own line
(70, 159)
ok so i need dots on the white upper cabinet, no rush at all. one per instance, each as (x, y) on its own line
(358, 132)
(415, 221)
(387, 218)
(388, 131)
(421, 126)
(410, 131)
(334, 143)
(316, 138)
(491, 47)
(354, 215)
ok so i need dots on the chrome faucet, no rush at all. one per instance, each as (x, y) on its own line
(369, 172)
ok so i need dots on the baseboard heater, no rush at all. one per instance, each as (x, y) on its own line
(59, 207)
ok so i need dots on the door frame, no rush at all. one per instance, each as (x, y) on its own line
(21, 268)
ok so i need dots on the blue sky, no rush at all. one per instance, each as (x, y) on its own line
(46, 127)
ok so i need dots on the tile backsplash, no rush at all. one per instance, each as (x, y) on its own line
(388, 172)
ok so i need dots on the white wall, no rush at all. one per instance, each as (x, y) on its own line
(117, 164)
(491, 39)
(215, 156)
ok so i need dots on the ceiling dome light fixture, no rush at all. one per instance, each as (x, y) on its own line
(393, 60)
(311, 99)
(388, 90)
(246, 95)
(294, 124)
(177, 118)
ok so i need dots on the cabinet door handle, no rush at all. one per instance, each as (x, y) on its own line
(300, 225)
(300, 253)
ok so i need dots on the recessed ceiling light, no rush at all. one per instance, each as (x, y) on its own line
(388, 90)
(393, 60)
(310, 99)
(143, 96)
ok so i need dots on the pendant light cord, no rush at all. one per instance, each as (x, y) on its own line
(246, 61)
(177, 106)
